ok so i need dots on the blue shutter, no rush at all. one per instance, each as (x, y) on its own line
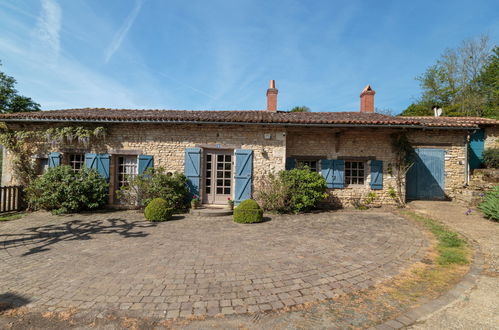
(327, 171)
(376, 174)
(192, 169)
(290, 163)
(54, 159)
(145, 162)
(243, 175)
(99, 162)
(338, 173)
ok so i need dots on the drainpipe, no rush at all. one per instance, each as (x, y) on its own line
(466, 163)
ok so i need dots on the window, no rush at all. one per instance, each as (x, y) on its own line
(311, 164)
(354, 172)
(127, 169)
(76, 161)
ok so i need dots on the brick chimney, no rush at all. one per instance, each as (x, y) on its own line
(367, 99)
(272, 97)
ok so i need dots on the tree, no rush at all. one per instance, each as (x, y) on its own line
(10, 100)
(489, 85)
(454, 82)
(300, 109)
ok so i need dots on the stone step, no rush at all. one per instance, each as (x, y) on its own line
(209, 212)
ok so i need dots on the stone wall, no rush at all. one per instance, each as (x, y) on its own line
(376, 144)
(166, 142)
(491, 137)
(348, 143)
(454, 144)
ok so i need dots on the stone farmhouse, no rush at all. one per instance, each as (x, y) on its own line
(226, 154)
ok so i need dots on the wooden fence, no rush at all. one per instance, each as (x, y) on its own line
(11, 199)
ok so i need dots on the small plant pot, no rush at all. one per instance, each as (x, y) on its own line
(194, 205)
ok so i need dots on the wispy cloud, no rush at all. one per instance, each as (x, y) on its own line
(48, 27)
(123, 31)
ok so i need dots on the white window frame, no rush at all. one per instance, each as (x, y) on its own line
(353, 180)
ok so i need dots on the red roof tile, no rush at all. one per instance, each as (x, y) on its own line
(246, 116)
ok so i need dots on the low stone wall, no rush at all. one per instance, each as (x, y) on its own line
(482, 180)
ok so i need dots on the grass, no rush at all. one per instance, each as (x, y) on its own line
(11, 216)
(451, 248)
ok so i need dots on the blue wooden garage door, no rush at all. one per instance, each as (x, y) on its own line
(425, 179)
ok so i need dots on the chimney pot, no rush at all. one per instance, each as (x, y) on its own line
(367, 99)
(272, 97)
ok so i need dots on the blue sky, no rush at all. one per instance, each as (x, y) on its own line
(202, 54)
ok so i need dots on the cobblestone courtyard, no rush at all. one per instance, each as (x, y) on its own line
(198, 266)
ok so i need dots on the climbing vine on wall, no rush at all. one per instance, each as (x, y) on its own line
(403, 161)
(24, 144)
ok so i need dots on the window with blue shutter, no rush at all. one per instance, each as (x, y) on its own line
(54, 159)
(327, 171)
(145, 162)
(99, 162)
(192, 169)
(243, 175)
(290, 163)
(338, 173)
(376, 174)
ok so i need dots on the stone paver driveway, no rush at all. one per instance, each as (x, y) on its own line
(198, 266)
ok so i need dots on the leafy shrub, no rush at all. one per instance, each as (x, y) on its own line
(248, 212)
(298, 190)
(158, 210)
(273, 194)
(156, 183)
(491, 158)
(306, 189)
(490, 204)
(62, 190)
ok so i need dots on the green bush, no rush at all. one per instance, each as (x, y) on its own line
(491, 158)
(298, 190)
(306, 189)
(62, 190)
(248, 212)
(156, 183)
(158, 210)
(490, 204)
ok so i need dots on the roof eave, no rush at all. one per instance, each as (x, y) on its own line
(133, 121)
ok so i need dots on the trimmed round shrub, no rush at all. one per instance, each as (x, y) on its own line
(158, 210)
(248, 212)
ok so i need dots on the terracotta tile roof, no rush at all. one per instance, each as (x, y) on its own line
(240, 116)
(455, 121)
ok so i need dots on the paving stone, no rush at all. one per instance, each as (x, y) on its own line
(180, 268)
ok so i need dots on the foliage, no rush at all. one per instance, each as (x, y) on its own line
(273, 194)
(158, 210)
(248, 211)
(11, 216)
(490, 204)
(298, 190)
(451, 248)
(62, 190)
(300, 109)
(404, 151)
(361, 203)
(491, 158)
(463, 82)
(10, 100)
(156, 183)
(306, 189)
(24, 144)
